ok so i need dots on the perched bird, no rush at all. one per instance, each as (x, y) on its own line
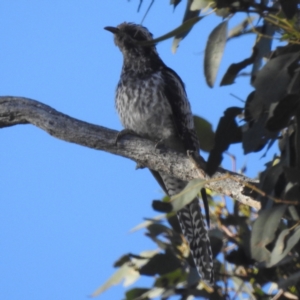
(151, 101)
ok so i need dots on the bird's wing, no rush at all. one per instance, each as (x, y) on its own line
(182, 115)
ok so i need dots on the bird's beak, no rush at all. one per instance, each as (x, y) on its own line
(114, 30)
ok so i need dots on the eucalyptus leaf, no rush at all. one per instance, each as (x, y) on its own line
(263, 232)
(122, 273)
(188, 194)
(214, 52)
(180, 29)
(189, 14)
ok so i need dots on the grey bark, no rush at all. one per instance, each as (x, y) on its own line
(20, 110)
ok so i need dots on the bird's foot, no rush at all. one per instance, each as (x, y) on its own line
(123, 133)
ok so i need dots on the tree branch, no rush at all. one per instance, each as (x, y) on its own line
(19, 110)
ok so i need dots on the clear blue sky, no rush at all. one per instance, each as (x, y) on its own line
(66, 210)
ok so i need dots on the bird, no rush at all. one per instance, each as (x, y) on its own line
(152, 102)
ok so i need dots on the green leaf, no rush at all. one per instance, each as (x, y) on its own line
(122, 260)
(284, 245)
(157, 229)
(162, 263)
(228, 132)
(171, 279)
(263, 232)
(263, 46)
(180, 29)
(200, 4)
(214, 52)
(205, 133)
(175, 2)
(189, 14)
(271, 83)
(188, 194)
(127, 272)
(234, 69)
(151, 294)
(148, 222)
(239, 29)
(134, 294)
(123, 273)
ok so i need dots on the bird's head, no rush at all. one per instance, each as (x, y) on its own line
(127, 37)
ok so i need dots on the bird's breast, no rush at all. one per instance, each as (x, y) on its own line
(143, 106)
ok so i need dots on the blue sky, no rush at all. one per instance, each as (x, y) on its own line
(66, 210)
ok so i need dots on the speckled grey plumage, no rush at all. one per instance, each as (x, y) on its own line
(151, 101)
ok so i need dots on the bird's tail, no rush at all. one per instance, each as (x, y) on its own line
(194, 230)
(192, 226)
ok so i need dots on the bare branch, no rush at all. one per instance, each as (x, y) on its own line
(19, 110)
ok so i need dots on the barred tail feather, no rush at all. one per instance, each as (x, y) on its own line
(194, 230)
